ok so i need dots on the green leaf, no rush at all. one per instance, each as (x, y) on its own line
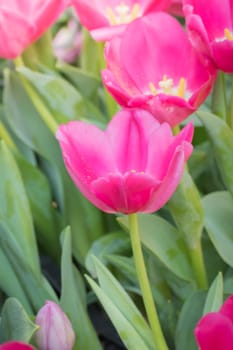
(15, 210)
(186, 209)
(190, 314)
(131, 326)
(35, 286)
(214, 297)
(218, 208)
(106, 245)
(221, 137)
(15, 324)
(164, 241)
(72, 300)
(61, 98)
(84, 81)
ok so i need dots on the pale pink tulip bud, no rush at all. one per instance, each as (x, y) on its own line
(55, 330)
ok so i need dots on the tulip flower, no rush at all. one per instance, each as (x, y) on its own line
(24, 21)
(133, 166)
(211, 30)
(105, 19)
(215, 330)
(15, 345)
(157, 69)
(55, 330)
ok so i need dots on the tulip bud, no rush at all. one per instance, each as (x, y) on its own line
(55, 330)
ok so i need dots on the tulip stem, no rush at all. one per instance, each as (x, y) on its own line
(198, 265)
(149, 304)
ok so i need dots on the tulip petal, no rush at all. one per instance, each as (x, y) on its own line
(15, 345)
(214, 332)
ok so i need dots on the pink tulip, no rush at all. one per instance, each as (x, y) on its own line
(215, 330)
(15, 345)
(210, 28)
(24, 21)
(133, 166)
(55, 330)
(154, 67)
(107, 18)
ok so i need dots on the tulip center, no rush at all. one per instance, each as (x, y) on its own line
(228, 34)
(166, 86)
(122, 13)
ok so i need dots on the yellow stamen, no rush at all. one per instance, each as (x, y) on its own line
(228, 34)
(166, 84)
(181, 87)
(122, 13)
(152, 89)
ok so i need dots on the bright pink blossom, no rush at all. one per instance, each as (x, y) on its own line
(154, 67)
(210, 27)
(106, 18)
(215, 330)
(15, 345)
(55, 330)
(24, 21)
(133, 166)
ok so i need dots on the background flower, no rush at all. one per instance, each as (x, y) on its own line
(106, 19)
(23, 22)
(157, 71)
(211, 30)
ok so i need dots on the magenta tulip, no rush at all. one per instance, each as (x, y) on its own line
(24, 21)
(55, 330)
(107, 18)
(210, 28)
(133, 166)
(157, 69)
(215, 330)
(15, 345)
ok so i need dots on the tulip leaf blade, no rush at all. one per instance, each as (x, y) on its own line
(214, 297)
(15, 324)
(190, 314)
(165, 242)
(221, 137)
(130, 324)
(72, 299)
(218, 208)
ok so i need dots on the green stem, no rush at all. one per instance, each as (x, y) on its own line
(219, 99)
(230, 117)
(197, 260)
(45, 114)
(145, 285)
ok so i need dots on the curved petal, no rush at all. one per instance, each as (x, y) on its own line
(125, 194)
(128, 134)
(214, 332)
(15, 345)
(170, 182)
(222, 55)
(227, 309)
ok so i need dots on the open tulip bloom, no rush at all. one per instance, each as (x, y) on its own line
(211, 30)
(215, 330)
(24, 21)
(107, 18)
(133, 166)
(157, 69)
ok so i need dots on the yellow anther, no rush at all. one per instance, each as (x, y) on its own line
(181, 87)
(166, 85)
(152, 89)
(228, 34)
(122, 13)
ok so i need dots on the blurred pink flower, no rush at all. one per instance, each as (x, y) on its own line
(24, 21)
(215, 330)
(133, 166)
(210, 29)
(67, 43)
(107, 18)
(55, 330)
(15, 345)
(154, 67)
(176, 8)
